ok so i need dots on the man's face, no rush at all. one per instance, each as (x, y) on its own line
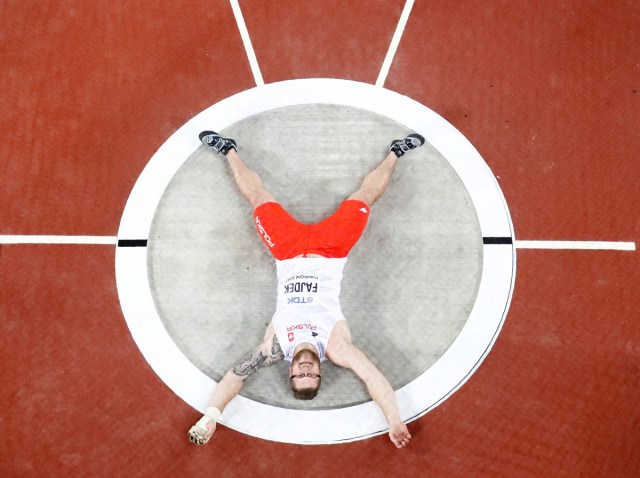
(305, 362)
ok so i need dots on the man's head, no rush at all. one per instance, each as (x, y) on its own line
(304, 375)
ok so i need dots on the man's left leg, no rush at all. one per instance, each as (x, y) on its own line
(377, 181)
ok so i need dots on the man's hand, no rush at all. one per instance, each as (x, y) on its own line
(200, 436)
(399, 434)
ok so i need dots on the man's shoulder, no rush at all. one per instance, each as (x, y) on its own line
(341, 331)
(339, 342)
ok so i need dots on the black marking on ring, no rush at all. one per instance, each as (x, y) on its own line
(497, 240)
(132, 243)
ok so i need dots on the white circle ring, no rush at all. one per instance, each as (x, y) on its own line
(415, 399)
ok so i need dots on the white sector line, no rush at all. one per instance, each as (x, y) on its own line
(386, 65)
(395, 41)
(246, 40)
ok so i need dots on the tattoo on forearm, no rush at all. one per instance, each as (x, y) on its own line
(255, 360)
(249, 364)
(276, 350)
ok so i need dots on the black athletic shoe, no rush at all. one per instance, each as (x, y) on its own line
(401, 146)
(217, 142)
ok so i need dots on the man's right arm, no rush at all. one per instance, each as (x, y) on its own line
(266, 354)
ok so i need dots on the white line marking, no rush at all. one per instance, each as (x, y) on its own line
(580, 245)
(113, 240)
(108, 240)
(244, 33)
(395, 41)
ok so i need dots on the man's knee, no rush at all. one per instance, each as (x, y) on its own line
(258, 198)
(366, 195)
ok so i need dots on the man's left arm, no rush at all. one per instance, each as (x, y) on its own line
(349, 356)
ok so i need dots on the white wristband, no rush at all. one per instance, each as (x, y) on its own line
(212, 414)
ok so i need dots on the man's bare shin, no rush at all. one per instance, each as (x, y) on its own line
(377, 181)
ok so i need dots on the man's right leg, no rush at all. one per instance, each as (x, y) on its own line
(280, 232)
(248, 181)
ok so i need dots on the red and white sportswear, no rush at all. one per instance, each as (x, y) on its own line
(308, 304)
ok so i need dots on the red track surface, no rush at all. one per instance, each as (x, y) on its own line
(549, 93)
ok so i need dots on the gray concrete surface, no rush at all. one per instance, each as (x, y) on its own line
(409, 283)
